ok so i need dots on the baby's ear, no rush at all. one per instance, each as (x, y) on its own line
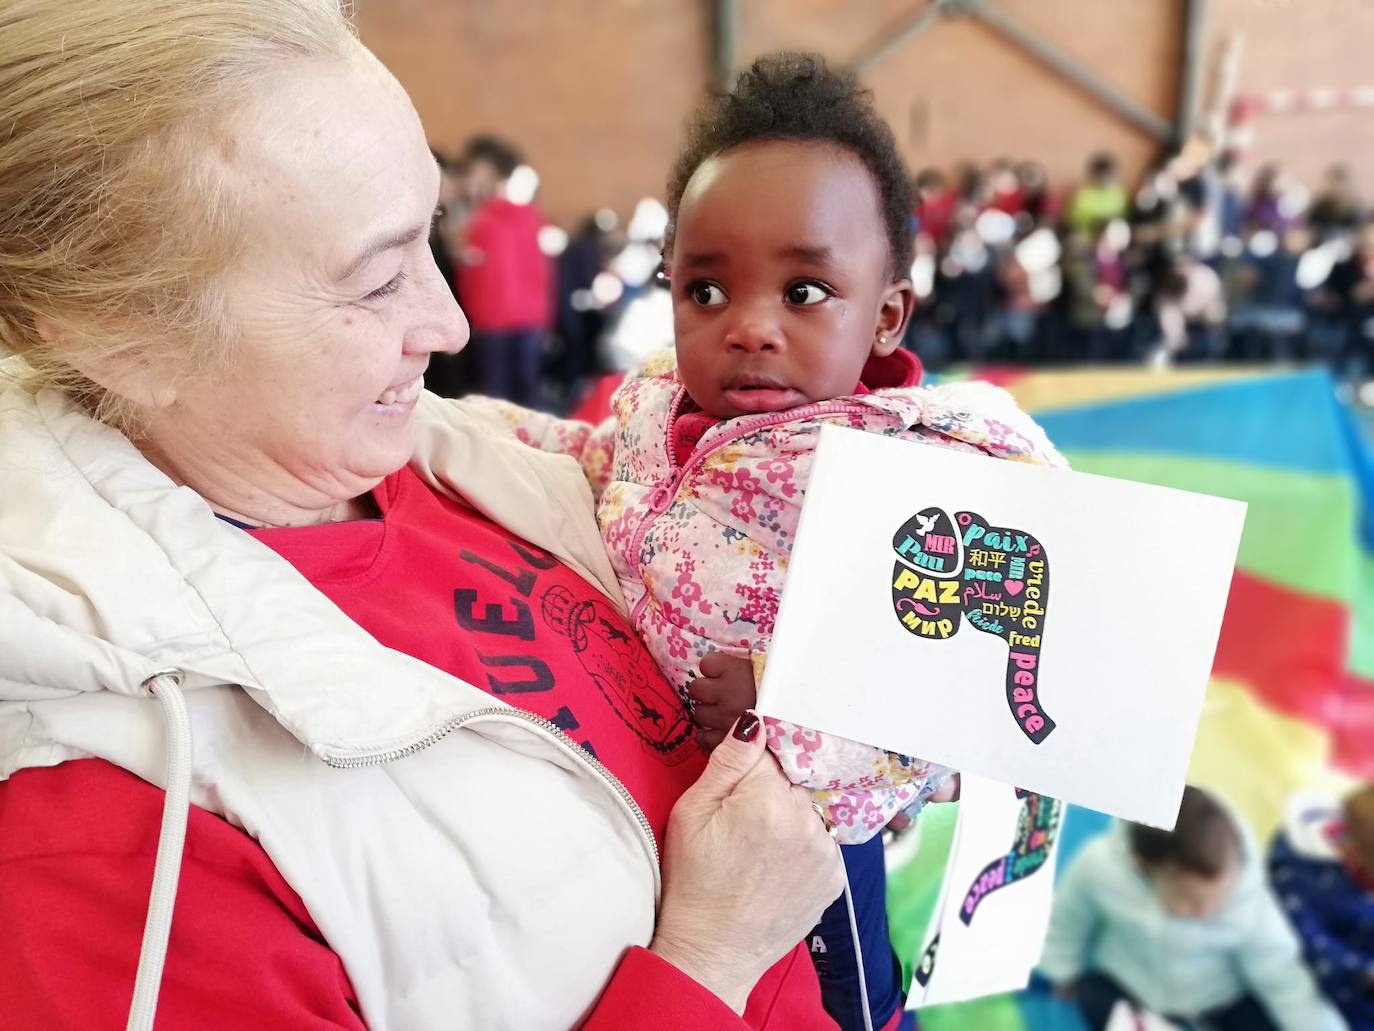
(897, 304)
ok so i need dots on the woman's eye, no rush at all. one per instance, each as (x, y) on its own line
(388, 288)
(708, 295)
(806, 293)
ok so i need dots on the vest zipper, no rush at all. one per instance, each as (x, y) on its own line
(667, 491)
(507, 713)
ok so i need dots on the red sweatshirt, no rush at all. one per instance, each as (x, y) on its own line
(441, 583)
(508, 282)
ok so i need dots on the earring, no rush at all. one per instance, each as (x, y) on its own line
(882, 338)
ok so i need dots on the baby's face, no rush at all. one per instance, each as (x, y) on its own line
(780, 279)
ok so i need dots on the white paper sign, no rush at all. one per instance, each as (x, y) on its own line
(988, 928)
(918, 616)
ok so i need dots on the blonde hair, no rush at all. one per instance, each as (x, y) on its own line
(113, 223)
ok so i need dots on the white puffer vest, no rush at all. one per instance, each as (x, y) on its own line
(470, 866)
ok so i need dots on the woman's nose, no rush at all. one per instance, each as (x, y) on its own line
(445, 327)
(456, 331)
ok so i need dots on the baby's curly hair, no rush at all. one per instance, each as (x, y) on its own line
(794, 96)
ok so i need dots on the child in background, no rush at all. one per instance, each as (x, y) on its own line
(1181, 924)
(1101, 199)
(1322, 865)
(788, 255)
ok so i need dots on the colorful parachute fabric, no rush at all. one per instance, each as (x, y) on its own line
(1294, 670)
(1291, 700)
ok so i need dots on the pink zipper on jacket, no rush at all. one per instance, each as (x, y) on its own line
(661, 497)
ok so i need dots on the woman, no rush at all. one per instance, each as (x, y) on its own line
(246, 560)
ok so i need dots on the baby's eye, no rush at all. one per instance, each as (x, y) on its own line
(708, 295)
(806, 293)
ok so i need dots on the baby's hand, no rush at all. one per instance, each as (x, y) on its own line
(947, 792)
(720, 696)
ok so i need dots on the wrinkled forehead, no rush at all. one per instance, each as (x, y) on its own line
(326, 150)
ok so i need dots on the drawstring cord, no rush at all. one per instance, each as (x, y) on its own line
(853, 920)
(165, 686)
(858, 948)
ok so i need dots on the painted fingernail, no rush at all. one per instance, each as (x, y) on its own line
(746, 726)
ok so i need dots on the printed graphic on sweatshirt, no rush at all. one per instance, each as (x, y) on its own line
(622, 671)
(951, 569)
(529, 628)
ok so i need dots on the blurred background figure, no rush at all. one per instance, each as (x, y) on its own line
(935, 206)
(581, 318)
(1322, 865)
(1100, 199)
(503, 278)
(451, 375)
(1182, 925)
(1338, 208)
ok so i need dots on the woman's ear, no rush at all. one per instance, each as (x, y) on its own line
(119, 371)
(897, 304)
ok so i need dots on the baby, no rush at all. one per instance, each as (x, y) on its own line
(787, 255)
(1179, 924)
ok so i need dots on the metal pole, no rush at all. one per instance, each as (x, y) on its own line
(1223, 89)
(724, 25)
(1190, 72)
(913, 27)
(1073, 70)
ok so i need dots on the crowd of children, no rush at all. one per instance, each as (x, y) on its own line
(1189, 264)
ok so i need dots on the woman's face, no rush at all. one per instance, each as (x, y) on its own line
(335, 302)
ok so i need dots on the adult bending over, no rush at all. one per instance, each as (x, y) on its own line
(243, 556)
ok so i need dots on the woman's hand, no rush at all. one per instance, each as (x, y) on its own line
(748, 868)
(720, 696)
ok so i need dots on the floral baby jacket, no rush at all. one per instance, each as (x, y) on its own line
(701, 547)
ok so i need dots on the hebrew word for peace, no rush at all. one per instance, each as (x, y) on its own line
(999, 579)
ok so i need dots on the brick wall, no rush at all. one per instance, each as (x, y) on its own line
(593, 91)
(596, 91)
(1307, 44)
